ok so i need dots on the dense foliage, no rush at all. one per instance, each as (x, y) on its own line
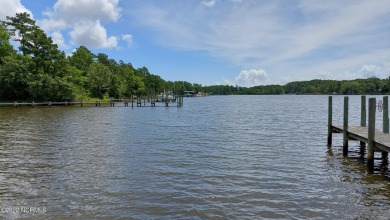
(357, 86)
(39, 71)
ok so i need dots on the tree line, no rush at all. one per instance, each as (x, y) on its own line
(39, 71)
(346, 87)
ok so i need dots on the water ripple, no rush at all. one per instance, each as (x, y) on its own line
(234, 157)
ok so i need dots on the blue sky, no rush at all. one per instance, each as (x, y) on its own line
(237, 42)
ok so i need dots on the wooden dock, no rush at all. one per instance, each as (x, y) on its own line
(358, 133)
(375, 139)
(113, 103)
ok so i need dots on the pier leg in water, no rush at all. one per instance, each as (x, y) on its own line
(363, 114)
(345, 127)
(329, 121)
(371, 132)
(386, 114)
(385, 155)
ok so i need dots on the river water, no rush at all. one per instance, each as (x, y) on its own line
(219, 157)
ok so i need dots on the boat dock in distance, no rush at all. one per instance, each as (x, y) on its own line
(138, 102)
(376, 140)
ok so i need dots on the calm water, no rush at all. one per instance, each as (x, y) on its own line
(232, 157)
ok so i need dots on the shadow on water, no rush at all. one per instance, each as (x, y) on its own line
(357, 158)
(369, 187)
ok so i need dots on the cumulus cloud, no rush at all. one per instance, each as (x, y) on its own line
(252, 77)
(72, 11)
(209, 3)
(128, 38)
(11, 7)
(59, 40)
(83, 18)
(92, 34)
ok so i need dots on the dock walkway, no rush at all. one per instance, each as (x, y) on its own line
(358, 133)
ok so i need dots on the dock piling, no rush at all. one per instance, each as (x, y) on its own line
(345, 127)
(363, 119)
(371, 131)
(386, 114)
(363, 111)
(330, 111)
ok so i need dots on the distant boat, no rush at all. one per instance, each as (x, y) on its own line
(166, 97)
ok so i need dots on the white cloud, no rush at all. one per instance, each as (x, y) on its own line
(59, 40)
(72, 11)
(372, 70)
(209, 3)
(92, 34)
(128, 38)
(11, 7)
(83, 18)
(247, 78)
(252, 77)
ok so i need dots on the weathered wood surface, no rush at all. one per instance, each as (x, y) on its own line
(381, 140)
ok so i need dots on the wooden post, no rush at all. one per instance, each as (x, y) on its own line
(49, 104)
(15, 104)
(386, 114)
(385, 121)
(371, 131)
(345, 127)
(132, 102)
(66, 103)
(330, 121)
(81, 104)
(363, 114)
(32, 104)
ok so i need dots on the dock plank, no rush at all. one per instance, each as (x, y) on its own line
(381, 141)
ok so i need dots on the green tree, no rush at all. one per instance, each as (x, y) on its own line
(21, 25)
(81, 58)
(36, 44)
(351, 87)
(6, 48)
(100, 77)
(15, 76)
